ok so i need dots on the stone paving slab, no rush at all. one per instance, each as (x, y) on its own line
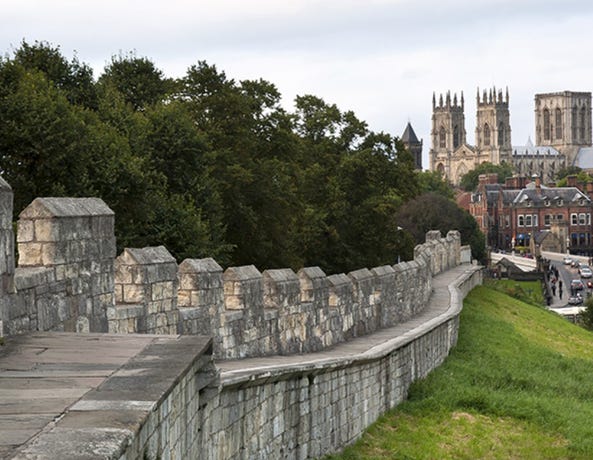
(83, 395)
(360, 348)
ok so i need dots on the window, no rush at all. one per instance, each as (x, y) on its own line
(486, 134)
(535, 220)
(581, 202)
(573, 219)
(521, 220)
(456, 137)
(547, 202)
(588, 218)
(559, 217)
(546, 124)
(560, 202)
(547, 220)
(573, 123)
(528, 220)
(507, 221)
(583, 122)
(582, 219)
(558, 124)
(442, 137)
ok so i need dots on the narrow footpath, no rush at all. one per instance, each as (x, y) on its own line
(360, 348)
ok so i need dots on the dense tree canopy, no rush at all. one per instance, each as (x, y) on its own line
(206, 165)
(432, 211)
(469, 181)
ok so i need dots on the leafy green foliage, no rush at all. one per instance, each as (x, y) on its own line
(432, 211)
(469, 181)
(586, 316)
(204, 164)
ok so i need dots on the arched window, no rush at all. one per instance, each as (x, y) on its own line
(442, 137)
(546, 124)
(583, 123)
(501, 134)
(456, 139)
(441, 168)
(558, 123)
(573, 123)
(486, 134)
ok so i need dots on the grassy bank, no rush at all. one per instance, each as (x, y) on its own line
(519, 384)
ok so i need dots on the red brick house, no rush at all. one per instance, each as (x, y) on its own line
(511, 214)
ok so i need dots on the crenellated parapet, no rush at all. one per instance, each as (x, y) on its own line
(68, 279)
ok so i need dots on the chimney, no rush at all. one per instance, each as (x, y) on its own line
(589, 188)
(571, 181)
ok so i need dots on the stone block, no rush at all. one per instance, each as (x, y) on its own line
(133, 293)
(25, 231)
(46, 230)
(30, 254)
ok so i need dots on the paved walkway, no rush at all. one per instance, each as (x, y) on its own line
(56, 379)
(365, 347)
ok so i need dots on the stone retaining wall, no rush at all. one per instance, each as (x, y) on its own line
(318, 408)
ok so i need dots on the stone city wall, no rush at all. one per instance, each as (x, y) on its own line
(68, 280)
(308, 409)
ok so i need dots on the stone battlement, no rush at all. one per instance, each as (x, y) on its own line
(68, 279)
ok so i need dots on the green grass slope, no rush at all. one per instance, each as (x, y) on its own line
(519, 384)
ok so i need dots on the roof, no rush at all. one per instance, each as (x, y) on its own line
(409, 136)
(534, 150)
(541, 235)
(584, 158)
(507, 264)
(538, 197)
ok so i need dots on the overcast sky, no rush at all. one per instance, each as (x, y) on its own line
(380, 58)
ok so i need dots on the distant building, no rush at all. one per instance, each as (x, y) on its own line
(563, 121)
(511, 215)
(413, 145)
(563, 135)
(542, 161)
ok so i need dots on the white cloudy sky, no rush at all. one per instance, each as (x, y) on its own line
(380, 58)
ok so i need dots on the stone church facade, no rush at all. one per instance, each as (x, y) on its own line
(563, 131)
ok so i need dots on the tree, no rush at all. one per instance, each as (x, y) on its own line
(433, 181)
(431, 211)
(137, 79)
(469, 181)
(74, 78)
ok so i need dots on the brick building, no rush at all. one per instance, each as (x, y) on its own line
(511, 215)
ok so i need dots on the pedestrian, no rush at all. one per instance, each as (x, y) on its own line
(560, 293)
(560, 284)
(553, 289)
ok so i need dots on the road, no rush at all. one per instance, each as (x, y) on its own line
(566, 274)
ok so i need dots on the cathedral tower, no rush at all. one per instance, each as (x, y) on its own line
(414, 146)
(448, 132)
(563, 121)
(493, 127)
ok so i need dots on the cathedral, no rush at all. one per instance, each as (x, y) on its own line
(563, 134)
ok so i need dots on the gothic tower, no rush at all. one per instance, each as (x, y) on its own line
(563, 121)
(448, 132)
(493, 127)
(413, 145)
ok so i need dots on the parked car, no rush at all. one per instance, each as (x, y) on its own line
(577, 285)
(567, 261)
(585, 272)
(575, 299)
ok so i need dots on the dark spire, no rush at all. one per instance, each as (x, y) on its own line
(409, 136)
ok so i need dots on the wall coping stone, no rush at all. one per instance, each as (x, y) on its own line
(66, 207)
(146, 256)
